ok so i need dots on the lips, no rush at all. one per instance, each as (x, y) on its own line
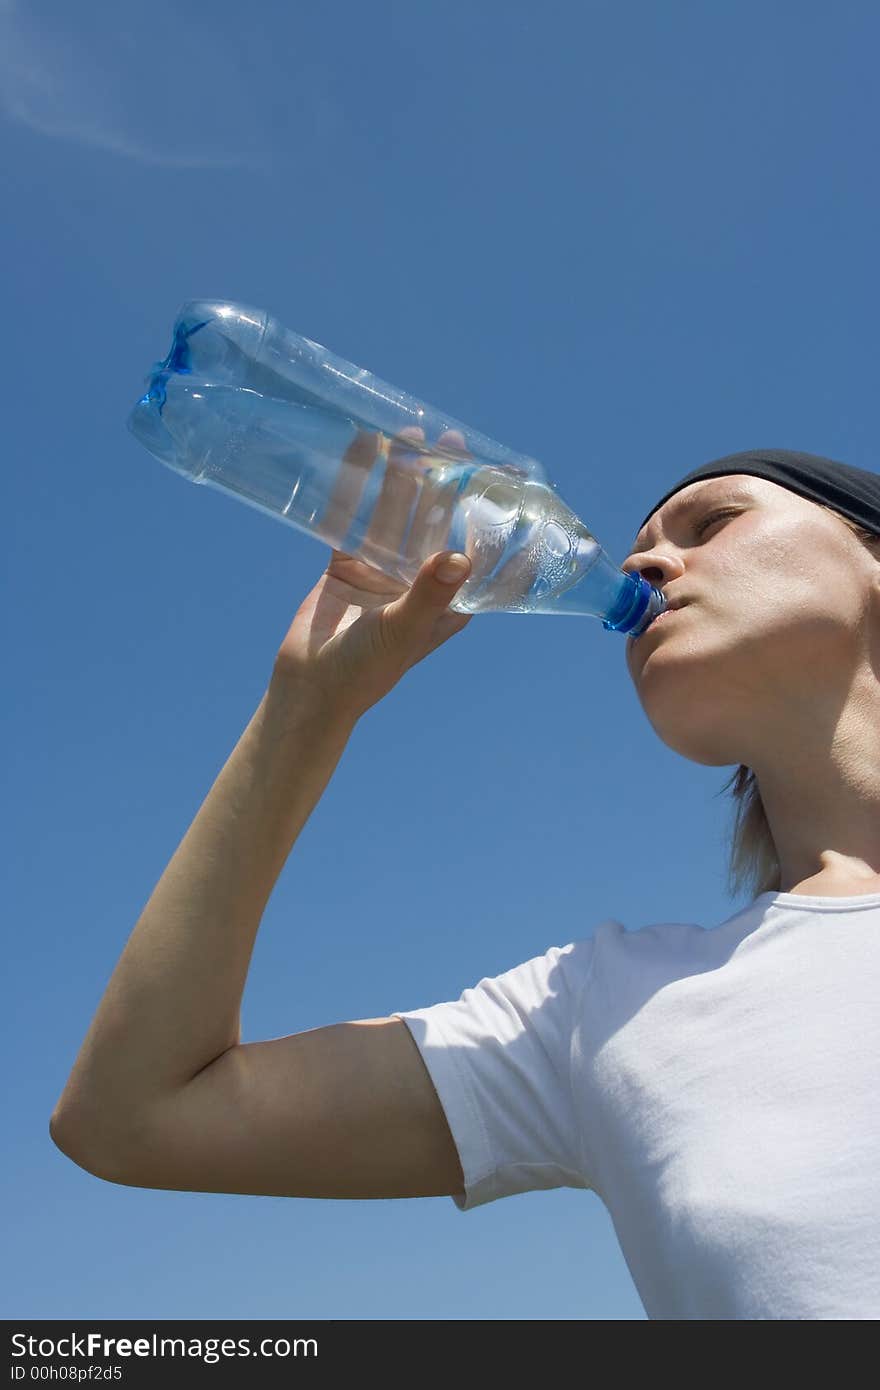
(673, 608)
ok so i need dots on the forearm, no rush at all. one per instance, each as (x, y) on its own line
(173, 1002)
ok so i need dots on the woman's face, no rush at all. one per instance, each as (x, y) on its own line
(775, 594)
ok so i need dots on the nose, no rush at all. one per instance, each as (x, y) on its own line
(653, 573)
(657, 566)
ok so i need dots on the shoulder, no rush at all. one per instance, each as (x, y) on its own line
(657, 952)
(562, 973)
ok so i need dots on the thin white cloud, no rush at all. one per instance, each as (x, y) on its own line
(161, 86)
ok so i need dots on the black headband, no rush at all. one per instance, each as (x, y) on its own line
(850, 491)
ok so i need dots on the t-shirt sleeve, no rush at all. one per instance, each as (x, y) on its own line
(500, 1061)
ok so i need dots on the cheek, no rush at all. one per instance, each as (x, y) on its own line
(774, 579)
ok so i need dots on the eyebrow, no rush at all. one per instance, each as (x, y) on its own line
(731, 492)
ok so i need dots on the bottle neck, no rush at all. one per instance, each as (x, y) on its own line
(637, 607)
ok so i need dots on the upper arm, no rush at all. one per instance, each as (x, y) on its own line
(346, 1110)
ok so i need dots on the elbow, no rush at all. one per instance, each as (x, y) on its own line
(74, 1142)
(61, 1133)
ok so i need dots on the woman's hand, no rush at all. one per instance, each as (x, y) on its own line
(359, 630)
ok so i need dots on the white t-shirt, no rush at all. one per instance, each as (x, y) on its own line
(719, 1090)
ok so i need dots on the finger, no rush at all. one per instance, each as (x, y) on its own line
(410, 619)
(354, 571)
(453, 440)
(438, 497)
(446, 626)
(424, 641)
(348, 488)
(383, 541)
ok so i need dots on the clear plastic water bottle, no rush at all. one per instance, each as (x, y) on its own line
(247, 406)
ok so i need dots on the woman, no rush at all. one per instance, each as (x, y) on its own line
(716, 1088)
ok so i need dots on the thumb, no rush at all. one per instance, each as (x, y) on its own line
(440, 578)
(432, 590)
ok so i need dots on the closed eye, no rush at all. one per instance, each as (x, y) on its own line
(707, 521)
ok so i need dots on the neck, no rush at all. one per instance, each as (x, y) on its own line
(820, 785)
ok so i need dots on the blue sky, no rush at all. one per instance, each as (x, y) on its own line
(623, 238)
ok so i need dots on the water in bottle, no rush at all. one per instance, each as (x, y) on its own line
(245, 405)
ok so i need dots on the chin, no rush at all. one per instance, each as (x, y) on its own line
(710, 747)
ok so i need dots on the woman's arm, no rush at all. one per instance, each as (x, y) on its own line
(163, 1093)
(172, 1005)
(162, 1070)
